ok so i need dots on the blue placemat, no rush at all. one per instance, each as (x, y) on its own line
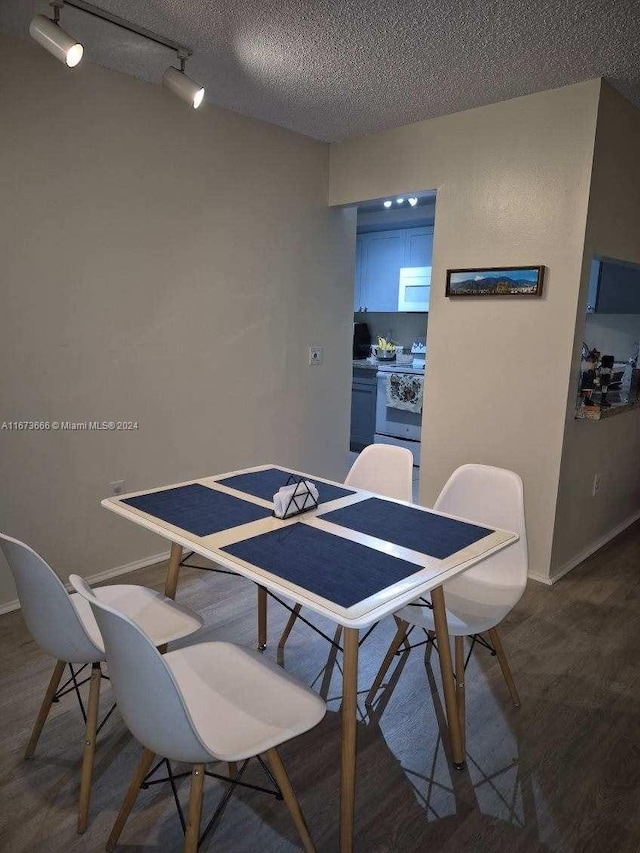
(264, 484)
(199, 510)
(408, 527)
(341, 571)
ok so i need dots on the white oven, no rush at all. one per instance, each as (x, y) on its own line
(395, 425)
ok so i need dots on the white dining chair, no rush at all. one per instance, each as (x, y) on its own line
(479, 599)
(63, 625)
(381, 468)
(205, 703)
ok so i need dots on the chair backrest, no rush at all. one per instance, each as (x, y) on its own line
(48, 612)
(493, 497)
(148, 697)
(385, 469)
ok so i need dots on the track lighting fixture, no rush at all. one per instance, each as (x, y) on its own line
(388, 203)
(412, 201)
(176, 81)
(52, 37)
(48, 33)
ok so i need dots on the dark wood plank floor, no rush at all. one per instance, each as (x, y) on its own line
(562, 773)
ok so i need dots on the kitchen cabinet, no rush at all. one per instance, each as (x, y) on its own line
(418, 247)
(380, 255)
(359, 300)
(614, 288)
(363, 408)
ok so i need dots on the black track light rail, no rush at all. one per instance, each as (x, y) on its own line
(182, 51)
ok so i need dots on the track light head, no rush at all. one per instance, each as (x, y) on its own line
(184, 87)
(54, 39)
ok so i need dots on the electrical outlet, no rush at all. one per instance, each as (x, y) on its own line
(315, 355)
(597, 480)
(117, 487)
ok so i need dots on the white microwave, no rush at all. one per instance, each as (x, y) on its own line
(414, 288)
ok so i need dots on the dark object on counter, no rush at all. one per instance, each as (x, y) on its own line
(606, 365)
(361, 341)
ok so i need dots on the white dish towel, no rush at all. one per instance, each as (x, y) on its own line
(306, 496)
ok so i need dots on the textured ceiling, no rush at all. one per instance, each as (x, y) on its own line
(334, 69)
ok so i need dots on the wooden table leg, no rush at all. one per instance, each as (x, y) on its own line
(349, 729)
(460, 697)
(448, 683)
(262, 618)
(171, 583)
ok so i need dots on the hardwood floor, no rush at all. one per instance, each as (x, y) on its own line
(561, 773)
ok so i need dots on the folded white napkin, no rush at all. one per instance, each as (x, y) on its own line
(306, 495)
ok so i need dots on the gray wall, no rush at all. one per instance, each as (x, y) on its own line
(163, 266)
(610, 447)
(512, 183)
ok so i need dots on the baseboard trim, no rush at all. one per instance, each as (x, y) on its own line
(534, 576)
(590, 549)
(8, 606)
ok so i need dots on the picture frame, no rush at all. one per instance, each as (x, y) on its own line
(495, 281)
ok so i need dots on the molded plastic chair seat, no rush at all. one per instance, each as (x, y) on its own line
(465, 616)
(479, 599)
(240, 703)
(208, 702)
(159, 617)
(64, 626)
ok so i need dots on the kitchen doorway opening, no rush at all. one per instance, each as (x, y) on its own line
(392, 288)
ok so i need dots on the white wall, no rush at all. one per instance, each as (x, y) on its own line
(160, 266)
(513, 182)
(610, 447)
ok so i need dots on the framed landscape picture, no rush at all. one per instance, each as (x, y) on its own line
(495, 281)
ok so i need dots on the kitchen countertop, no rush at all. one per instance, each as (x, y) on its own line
(595, 413)
(365, 363)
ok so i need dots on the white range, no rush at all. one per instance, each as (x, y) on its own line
(399, 406)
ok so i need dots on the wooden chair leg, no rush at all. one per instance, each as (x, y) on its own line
(233, 769)
(386, 663)
(130, 797)
(192, 835)
(280, 774)
(262, 618)
(43, 713)
(89, 747)
(459, 648)
(496, 642)
(287, 628)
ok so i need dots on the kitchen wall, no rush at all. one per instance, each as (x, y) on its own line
(610, 447)
(613, 334)
(403, 328)
(139, 284)
(512, 183)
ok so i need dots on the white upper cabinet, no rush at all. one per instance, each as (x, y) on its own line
(419, 247)
(380, 255)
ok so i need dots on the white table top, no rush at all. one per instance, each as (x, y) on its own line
(433, 573)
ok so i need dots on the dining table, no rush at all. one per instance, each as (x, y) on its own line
(356, 557)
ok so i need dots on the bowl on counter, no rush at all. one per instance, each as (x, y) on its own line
(386, 354)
